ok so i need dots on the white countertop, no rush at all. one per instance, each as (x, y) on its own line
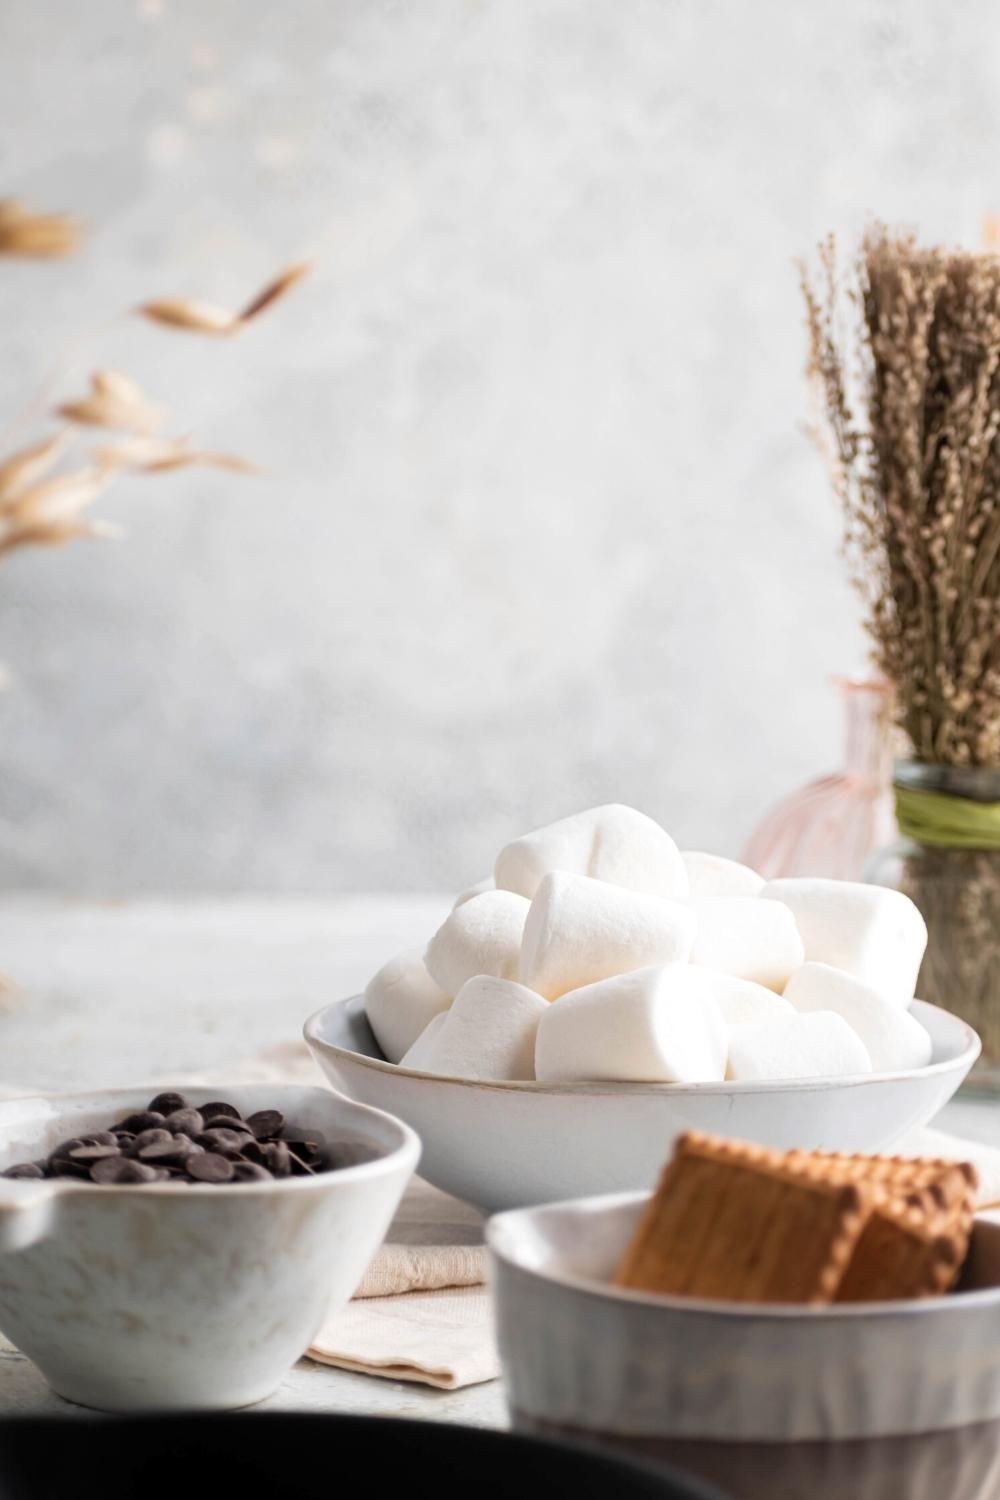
(112, 994)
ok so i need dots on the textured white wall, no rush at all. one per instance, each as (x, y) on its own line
(541, 527)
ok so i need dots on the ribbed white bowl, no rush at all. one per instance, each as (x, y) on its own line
(507, 1145)
(580, 1354)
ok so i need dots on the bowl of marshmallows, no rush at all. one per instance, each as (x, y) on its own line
(605, 991)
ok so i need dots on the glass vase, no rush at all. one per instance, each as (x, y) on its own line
(958, 892)
(831, 826)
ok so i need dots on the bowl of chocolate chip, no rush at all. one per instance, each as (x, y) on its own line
(180, 1251)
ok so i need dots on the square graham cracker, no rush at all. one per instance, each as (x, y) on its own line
(731, 1220)
(740, 1222)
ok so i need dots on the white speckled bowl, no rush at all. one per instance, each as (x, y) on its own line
(170, 1297)
(582, 1356)
(507, 1145)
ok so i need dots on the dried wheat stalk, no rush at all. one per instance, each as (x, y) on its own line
(42, 508)
(24, 232)
(912, 404)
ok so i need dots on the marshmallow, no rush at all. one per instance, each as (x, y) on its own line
(474, 890)
(741, 1002)
(580, 930)
(489, 1032)
(749, 938)
(817, 1045)
(418, 1058)
(653, 1025)
(874, 933)
(613, 843)
(400, 1000)
(895, 1039)
(482, 936)
(711, 875)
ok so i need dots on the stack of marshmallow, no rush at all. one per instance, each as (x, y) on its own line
(601, 951)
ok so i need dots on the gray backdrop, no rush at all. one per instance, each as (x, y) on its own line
(540, 526)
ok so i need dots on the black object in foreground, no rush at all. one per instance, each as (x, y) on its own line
(289, 1457)
(172, 1140)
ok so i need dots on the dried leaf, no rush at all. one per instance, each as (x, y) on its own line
(117, 385)
(24, 467)
(114, 401)
(158, 455)
(56, 534)
(206, 317)
(58, 499)
(141, 452)
(23, 232)
(275, 290)
(193, 317)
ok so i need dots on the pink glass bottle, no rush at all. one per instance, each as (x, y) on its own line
(832, 826)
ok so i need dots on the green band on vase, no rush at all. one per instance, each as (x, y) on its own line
(945, 821)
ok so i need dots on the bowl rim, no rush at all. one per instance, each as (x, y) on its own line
(962, 1062)
(406, 1152)
(499, 1229)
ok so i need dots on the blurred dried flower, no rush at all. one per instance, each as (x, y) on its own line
(115, 400)
(153, 455)
(204, 317)
(35, 235)
(912, 405)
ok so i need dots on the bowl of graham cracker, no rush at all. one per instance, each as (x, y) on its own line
(756, 1297)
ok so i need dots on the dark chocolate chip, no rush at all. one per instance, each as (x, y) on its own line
(162, 1153)
(119, 1169)
(93, 1153)
(278, 1159)
(266, 1122)
(249, 1171)
(145, 1119)
(65, 1147)
(210, 1167)
(23, 1169)
(148, 1138)
(216, 1108)
(254, 1152)
(226, 1122)
(167, 1103)
(223, 1142)
(186, 1122)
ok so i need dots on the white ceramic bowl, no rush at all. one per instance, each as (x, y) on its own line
(582, 1356)
(174, 1297)
(507, 1145)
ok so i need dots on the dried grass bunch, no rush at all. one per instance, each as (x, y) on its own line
(905, 350)
(42, 507)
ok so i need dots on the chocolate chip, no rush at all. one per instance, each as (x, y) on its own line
(266, 1122)
(25, 1169)
(305, 1150)
(217, 1108)
(253, 1151)
(210, 1167)
(149, 1138)
(249, 1171)
(167, 1103)
(162, 1153)
(278, 1159)
(144, 1119)
(223, 1142)
(120, 1170)
(65, 1147)
(186, 1122)
(226, 1122)
(94, 1153)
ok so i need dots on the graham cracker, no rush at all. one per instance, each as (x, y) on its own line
(735, 1221)
(740, 1222)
